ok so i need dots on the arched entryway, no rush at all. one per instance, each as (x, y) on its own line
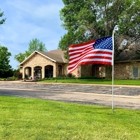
(38, 72)
(28, 71)
(48, 71)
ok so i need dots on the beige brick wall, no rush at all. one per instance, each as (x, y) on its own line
(77, 72)
(93, 71)
(64, 69)
(86, 70)
(38, 60)
(121, 70)
(108, 72)
(124, 70)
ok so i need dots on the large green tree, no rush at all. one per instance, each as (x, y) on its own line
(5, 68)
(4, 60)
(86, 20)
(34, 45)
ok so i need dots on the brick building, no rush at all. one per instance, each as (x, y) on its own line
(53, 64)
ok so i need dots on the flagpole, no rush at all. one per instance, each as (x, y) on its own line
(115, 29)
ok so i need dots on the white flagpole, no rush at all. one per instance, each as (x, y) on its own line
(115, 29)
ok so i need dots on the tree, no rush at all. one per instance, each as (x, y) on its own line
(34, 45)
(86, 20)
(5, 68)
(20, 57)
(4, 61)
(1, 15)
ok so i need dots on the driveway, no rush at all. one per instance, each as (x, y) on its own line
(124, 96)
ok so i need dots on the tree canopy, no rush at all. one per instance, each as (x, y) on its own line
(4, 61)
(86, 20)
(34, 45)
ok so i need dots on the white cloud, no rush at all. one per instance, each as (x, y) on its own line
(49, 11)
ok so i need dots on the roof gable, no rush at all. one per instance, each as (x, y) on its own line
(56, 56)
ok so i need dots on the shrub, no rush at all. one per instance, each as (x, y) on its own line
(70, 75)
(18, 75)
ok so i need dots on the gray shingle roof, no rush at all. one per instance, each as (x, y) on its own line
(57, 55)
(128, 56)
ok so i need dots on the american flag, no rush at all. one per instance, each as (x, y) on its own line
(94, 52)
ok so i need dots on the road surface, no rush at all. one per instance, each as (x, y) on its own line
(124, 96)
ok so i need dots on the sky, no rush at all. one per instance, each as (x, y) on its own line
(27, 20)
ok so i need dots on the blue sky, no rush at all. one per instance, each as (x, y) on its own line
(29, 19)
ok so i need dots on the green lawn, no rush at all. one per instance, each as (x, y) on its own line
(94, 81)
(34, 119)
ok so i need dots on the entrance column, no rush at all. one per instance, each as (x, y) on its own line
(54, 70)
(23, 76)
(32, 72)
(43, 72)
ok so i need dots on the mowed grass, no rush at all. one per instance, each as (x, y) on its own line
(34, 119)
(94, 81)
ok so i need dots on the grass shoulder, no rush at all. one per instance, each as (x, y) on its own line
(92, 81)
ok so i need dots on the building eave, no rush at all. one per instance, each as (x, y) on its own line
(127, 61)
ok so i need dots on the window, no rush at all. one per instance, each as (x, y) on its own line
(135, 72)
(98, 71)
(59, 70)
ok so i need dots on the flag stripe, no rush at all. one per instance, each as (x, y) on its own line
(104, 59)
(94, 52)
(80, 51)
(106, 56)
(91, 58)
(81, 45)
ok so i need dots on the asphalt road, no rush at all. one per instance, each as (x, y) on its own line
(124, 96)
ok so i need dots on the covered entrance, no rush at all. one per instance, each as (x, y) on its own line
(48, 71)
(38, 72)
(28, 71)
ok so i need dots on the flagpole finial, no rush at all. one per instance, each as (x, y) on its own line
(116, 28)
